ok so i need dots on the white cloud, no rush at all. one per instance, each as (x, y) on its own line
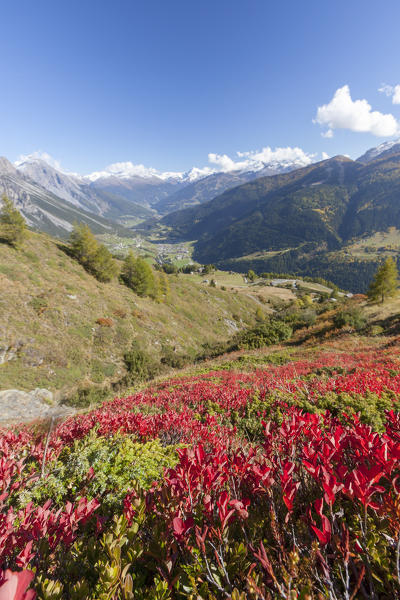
(327, 134)
(255, 160)
(391, 91)
(325, 156)
(356, 115)
(39, 155)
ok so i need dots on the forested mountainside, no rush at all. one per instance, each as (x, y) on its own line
(293, 220)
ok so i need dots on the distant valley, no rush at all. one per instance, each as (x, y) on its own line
(279, 217)
(301, 221)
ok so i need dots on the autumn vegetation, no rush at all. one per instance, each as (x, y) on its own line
(278, 482)
(270, 473)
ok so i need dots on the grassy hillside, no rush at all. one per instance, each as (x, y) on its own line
(49, 308)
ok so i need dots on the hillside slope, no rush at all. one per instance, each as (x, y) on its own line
(49, 306)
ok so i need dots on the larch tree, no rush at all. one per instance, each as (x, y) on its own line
(13, 228)
(92, 255)
(385, 282)
(137, 274)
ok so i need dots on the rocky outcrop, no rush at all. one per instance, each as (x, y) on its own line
(18, 406)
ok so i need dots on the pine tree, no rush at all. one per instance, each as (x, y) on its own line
(164, 287)
(385, 282)
(13, 228)
(128, 271)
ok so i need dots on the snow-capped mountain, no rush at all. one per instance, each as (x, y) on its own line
(78, 190)
(42, 209)
(119, 190)
(51, 199)
(128, 170)
(383, 149)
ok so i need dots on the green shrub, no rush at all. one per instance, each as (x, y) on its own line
(352, 317)
(212, 350)
(119, 463)
(173, 359)
(263, 334)
(86, 396)
(376, 330)
(139, 364)
(300, 319)
(13, 229)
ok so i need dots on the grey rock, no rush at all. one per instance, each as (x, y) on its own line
(19, 406)
(43, 395)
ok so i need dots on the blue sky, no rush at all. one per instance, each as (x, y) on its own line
(164, 83)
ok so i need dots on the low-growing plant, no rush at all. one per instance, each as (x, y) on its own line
(86, 395)
(140, 365)
(99, 467)
(263, 334)
(173, 359)
(352, 317)
(105, 322)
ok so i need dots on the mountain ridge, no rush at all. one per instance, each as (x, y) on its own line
(43, 210)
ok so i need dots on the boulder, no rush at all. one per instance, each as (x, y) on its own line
(18, 406)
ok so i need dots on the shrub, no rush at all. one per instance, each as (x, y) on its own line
(353, 317)
(212, 350)
(173, 359)
(139, 364)
(117, 463)
(85, 396)
(105, 322)
(170, 269)
(120, 313)
(13, 229)
(300, 319)
(376, 330)
(263, 334)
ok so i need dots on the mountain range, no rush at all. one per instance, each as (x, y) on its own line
(46, 211)
(290, 222)
(274, 217)
(51, 200)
